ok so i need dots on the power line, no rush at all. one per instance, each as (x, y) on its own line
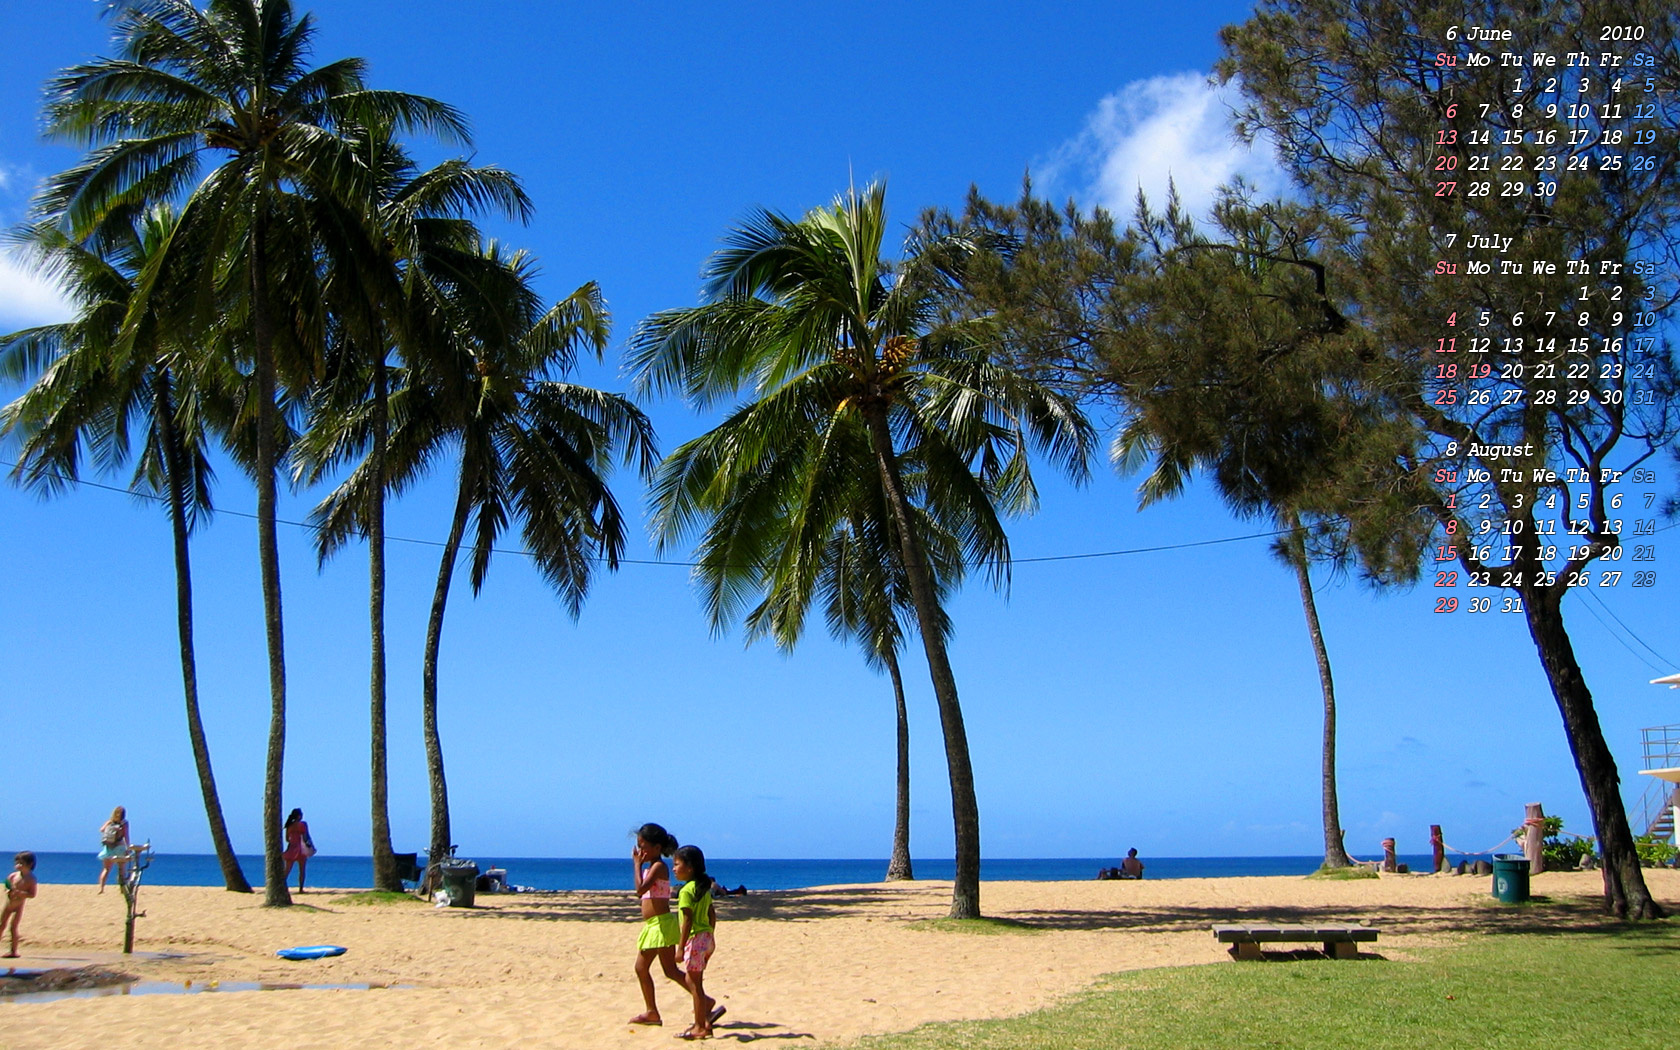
(654, 561)
(1628, 629)
(1044, 559)
(1152, 550)
(1619, 639)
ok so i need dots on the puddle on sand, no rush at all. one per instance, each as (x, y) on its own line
(183, 988)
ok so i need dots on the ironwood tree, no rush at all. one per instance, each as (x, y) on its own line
(1516, 312)
(1482, 255)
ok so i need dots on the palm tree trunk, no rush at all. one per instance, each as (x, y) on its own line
(1625, 895)
(385, 875)
(428, 676)
(965, 808)
(1335, 853)
(268, 553)
(899, 866)
(164, 411)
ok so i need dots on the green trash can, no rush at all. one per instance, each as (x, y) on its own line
(1510, 877)
(460, 879)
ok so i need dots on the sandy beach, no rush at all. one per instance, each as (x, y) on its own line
(822, 965)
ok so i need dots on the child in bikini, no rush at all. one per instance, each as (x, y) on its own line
(694, 938)
(20, 887)
(659, 934)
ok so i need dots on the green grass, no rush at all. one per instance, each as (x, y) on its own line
(1604, 987)
(378, 897)
(1355, 872)
(980, 926)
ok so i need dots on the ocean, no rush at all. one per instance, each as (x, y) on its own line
(588, 873)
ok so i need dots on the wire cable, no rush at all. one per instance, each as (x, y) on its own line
(659, 561)
(1620, 640)
(1628, 629)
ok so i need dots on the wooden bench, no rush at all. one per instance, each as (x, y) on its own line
(1340, 941)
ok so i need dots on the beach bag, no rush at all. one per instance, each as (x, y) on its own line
(308, 846)
(110, 834)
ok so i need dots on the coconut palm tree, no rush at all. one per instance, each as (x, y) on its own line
(533, 451)
(850, 370)
(1254, 402)
(230, 84)
(867, 592)
(857, 573)
(385, 286)
(1260, 468)
(91, 388)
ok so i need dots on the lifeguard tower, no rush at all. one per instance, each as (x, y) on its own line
(1660, 804)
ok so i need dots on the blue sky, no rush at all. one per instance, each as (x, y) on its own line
(1165, 700)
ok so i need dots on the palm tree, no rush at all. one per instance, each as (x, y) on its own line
(1292, 548)
(1250, 490)
(232, 81)
(90, 388)
(1254, 402)
(851, 369)
(859, 574)
(385, 288)
(867, 591)
(534, 451)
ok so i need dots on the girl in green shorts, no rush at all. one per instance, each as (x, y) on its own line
(659, 935)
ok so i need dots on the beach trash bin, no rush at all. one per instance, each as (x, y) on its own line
(1510, 877)
(460, 878)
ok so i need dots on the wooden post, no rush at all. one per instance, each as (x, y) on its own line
(1390, 861)
(128, 891)
(1534, 839)
(1439, 846)
(138, 859)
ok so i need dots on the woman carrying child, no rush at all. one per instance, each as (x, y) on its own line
(658, 939)
(20, 886)
(694, 937)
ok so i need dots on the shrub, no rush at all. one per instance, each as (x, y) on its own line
(1562, 853)
(1653, 851)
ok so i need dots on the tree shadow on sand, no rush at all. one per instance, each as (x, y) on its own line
(889, 904)
(1539, 915)
(795, 905)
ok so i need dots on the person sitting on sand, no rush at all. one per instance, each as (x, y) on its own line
(113, 846)
(20, 886)
(1131, 867)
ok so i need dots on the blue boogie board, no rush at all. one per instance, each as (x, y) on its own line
(313, 951)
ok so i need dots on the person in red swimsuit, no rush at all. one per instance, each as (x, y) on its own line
(299, 847)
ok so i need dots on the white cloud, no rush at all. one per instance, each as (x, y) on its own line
(14, 181)
(1175, 128)
(27, 298)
